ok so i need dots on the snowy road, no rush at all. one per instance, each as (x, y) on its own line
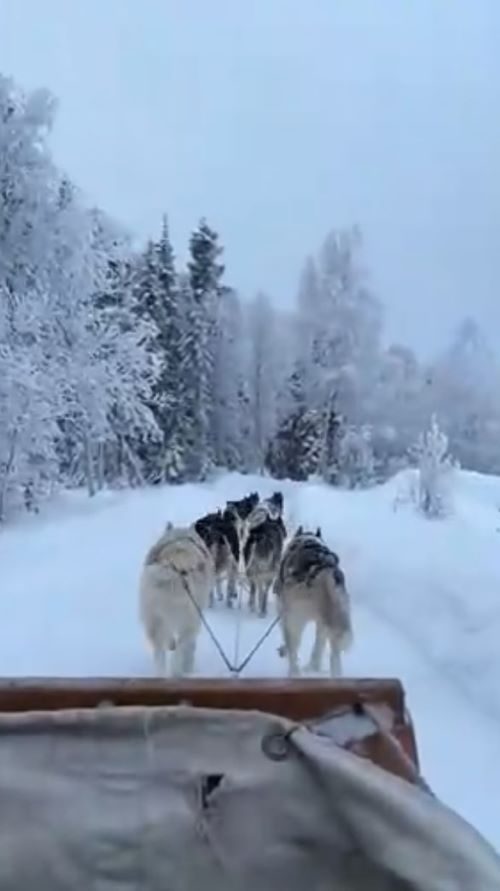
(69, 607)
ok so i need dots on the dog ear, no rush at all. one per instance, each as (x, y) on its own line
(318, 532)
(300, 531)
(169, 526)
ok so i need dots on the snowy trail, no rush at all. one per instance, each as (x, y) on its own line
(69, 607)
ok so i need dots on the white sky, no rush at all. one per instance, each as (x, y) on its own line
(279, 119)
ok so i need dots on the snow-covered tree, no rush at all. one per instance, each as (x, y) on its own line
(295, 451)
(157, 299)
(230, 370)
(339, 326)
(349, 323)
(434, 472)
(263, 374)
(29, 391)
(106, 370)
(308, 335)
(202, 338)
(463, 387)
(354, 465)
(29, 404)
(74, 373)
(395, 408)
(196, 407)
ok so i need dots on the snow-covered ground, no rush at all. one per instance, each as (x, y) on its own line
(426, 601)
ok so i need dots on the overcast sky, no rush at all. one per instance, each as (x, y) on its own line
(279, 119)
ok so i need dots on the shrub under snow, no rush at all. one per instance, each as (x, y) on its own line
(434, 472)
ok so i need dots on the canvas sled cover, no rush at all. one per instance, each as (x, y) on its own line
(181, 799)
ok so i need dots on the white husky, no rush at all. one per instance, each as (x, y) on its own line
(176, 582)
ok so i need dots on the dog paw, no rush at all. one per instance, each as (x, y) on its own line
(294, 671)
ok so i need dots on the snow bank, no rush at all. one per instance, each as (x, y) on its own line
(425, 593)
(437, 581)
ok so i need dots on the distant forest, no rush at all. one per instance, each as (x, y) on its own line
(119, 367)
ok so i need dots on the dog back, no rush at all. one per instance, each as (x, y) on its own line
(265, 542)
(305, 556)
(181, 549)
(310, 577)
(219, 532)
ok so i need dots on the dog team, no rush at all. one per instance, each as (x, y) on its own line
(184, 571)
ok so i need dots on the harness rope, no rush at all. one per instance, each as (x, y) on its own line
(234, 668)
(238, 622)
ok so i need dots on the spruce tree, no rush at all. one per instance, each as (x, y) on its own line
(168, 389)
(193, 395)
(204, 275)
(157, 297)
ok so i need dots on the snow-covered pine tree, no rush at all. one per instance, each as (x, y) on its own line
(263, 375)
(205, 285)
(295, 450)
(157, 299)
(295, 387)
(229, 370)
(245, 430)
(195, 429)
(309, 335)
(167, 391)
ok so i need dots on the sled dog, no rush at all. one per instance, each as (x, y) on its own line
(268, 508)
(219, 532)
(236, 513)
(262, 554)
(240, 511)
(176, 580)
(310, 587)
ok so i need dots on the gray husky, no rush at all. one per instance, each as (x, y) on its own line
(310, 587)
(262, 554)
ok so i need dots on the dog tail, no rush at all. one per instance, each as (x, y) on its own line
(335, 608)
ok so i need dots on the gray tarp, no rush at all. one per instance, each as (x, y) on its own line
(176, 799)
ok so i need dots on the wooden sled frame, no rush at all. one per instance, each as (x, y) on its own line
(297, 700)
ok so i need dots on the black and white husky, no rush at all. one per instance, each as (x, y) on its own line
(240, 511)
(262, 554)
(310, 587)
(219, 531)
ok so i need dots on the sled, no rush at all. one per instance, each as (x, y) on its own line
(303, 701)
(220, 784)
